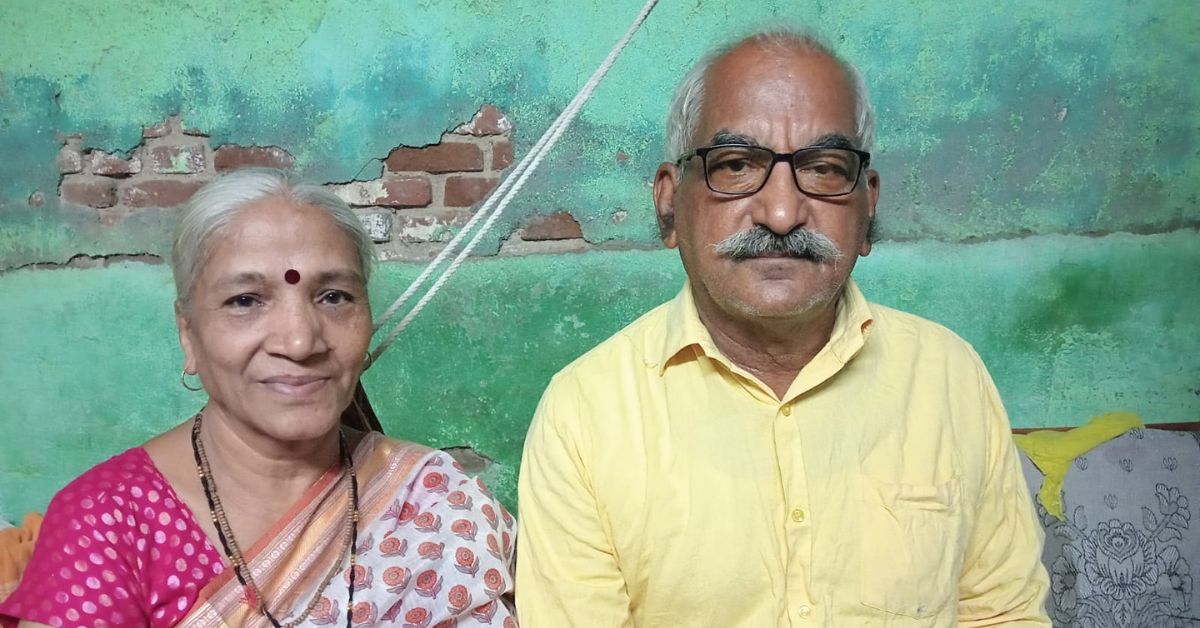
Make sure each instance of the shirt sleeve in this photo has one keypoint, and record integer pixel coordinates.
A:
(567, 574)
(1003, 581)
(77, 574)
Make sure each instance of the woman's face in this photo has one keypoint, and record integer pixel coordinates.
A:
(278, 323)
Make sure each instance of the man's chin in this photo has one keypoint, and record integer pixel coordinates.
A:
(780, 302)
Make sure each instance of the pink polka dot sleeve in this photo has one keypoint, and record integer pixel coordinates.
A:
(117, 548)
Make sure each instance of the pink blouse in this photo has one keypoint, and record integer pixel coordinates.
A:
(117, 548)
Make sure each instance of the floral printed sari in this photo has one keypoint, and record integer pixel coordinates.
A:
(435, 549)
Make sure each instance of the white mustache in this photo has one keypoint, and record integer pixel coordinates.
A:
(799, 242)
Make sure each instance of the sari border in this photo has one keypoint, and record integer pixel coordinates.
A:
(385, 468)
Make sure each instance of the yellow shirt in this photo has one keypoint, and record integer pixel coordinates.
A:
(662, 485)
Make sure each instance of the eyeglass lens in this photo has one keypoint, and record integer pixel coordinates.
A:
(744, 169)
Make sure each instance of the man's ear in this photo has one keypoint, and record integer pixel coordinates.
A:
(864, 247)
(666, 181)
(185, 339)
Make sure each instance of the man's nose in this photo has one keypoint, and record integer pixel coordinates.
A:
(296, 330)
(780, 205)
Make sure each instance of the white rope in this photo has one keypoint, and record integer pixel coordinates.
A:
(500, 198)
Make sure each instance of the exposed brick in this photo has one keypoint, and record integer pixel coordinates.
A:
(164, 193)
(406, 192)
(466, 191)
(389, 192)
(378, 224)
(428, 226)
(96, 193)
(113, 166)
(358, 193)
(438, 158)
(487, 121)
(559, 226)
(232, 157)
(69, 159)
(162, 129)
(502, 155)
(180, 159)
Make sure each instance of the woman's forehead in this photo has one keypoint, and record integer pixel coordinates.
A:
(282, 235)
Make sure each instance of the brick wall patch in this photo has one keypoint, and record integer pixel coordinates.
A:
(437, 158)
(487, 121)
(231, 157)
(556, 226)
(423, 196)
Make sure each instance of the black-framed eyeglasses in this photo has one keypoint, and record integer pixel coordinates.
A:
(817, 171)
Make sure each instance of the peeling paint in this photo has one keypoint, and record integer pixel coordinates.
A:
(1014, 140)
(1048, 117)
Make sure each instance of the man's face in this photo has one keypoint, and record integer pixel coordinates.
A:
(781, 100)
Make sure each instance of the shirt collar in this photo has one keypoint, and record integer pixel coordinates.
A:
(684, 328)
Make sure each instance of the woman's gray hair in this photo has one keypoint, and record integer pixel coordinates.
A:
(210, 210)
(684, 115)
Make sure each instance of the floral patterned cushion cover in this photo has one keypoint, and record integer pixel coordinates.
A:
(1127, 553)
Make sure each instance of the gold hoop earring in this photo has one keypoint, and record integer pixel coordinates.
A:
(183, 381)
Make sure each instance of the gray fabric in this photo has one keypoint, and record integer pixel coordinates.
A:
(1127, 553)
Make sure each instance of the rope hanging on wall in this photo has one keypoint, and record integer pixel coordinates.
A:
(496, 203)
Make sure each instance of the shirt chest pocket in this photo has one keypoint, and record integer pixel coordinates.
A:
(909, 546)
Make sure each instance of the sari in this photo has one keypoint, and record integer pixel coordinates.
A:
(435, 549)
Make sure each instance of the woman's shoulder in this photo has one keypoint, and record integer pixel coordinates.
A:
(422, 458)
(129, 476)
(378, 443)
(431, 472)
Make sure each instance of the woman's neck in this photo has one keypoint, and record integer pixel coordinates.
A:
(257, 479)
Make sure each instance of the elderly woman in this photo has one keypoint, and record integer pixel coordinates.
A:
(264, 509)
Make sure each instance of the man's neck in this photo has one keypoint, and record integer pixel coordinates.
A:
(773, 350)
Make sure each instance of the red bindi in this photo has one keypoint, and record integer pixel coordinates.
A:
(292, 276)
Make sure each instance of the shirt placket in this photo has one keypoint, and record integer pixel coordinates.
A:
(797, 523)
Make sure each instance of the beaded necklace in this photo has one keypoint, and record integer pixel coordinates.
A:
(240, 568)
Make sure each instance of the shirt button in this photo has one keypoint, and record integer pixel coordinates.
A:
(798, 517)
(803, 612)
(786, 410)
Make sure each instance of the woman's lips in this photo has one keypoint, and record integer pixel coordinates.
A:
(295, 385)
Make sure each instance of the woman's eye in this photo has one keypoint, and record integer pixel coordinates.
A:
(336, 297)
(243, 301)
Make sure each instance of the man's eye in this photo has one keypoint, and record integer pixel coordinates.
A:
(823, 169)
(734, 165)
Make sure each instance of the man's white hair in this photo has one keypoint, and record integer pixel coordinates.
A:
(684, 115)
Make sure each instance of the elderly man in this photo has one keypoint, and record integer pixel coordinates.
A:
(768, 448)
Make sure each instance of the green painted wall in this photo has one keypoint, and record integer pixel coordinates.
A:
(1071, 326)
(1040, 163)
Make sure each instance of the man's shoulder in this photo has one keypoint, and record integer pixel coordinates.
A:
(900, 328)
